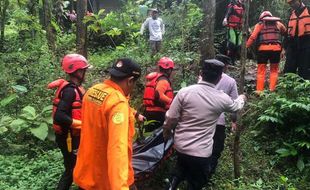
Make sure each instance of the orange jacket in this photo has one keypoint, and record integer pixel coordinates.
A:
(165, 93)
(265, 47)
(300, 23)
(60, 84)
(105, 152)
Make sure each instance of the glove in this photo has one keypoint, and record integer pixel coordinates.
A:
(224, 22)
(141, 118)
(233, 126)
(76, 124)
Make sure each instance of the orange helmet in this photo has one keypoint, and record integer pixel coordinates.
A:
(73, 62)
(166, 63)
(265, 14)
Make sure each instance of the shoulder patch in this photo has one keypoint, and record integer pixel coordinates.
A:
(97, 95)
(118, 118)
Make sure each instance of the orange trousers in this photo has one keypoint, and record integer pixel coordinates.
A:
(261, 74)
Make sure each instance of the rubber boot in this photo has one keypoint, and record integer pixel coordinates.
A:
(260, 77)
(274, 72)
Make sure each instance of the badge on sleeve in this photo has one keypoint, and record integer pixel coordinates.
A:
(118, 118)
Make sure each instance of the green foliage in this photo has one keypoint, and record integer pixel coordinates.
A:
(183, 35)
(114, 28)
(285, 184)
(19, 172)
(284, 115)
(4, 123)
(8, 100)
(30, 122)
(278, 8)
(27, 65)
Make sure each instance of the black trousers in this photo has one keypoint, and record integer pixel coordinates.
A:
(298, 61)
(69, 159)
(158, 116)
(195, 170)
(218, 146)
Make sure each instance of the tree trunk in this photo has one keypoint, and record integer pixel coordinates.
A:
(71, 5)
(3, 7)
(236, 153)
(81, 30)
(50, 33)
(207, 34)
(32, 7)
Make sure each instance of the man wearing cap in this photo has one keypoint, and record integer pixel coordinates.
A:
(227, 85)
(297, 45)
(105, 153)
(156, 29)
(193, 115)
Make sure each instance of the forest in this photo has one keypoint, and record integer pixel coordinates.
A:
(270, 148)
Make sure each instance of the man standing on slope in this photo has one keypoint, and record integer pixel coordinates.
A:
(67, 113)
(233, 22)
(268, 34)
(156, 29)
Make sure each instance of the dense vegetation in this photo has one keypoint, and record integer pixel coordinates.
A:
(275, 143)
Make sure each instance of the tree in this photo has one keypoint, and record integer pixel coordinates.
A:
(207, 37)
(58, 12)
(81, 30)
(4, 4)
(50, 33)
(236, 153)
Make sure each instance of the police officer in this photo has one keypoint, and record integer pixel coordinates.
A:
(193, 115)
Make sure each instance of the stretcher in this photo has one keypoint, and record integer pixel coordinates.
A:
(149, 153)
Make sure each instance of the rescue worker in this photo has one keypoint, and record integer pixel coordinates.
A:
(228, 85)
(105, 153)
(156, 30)
(233, 22)
(67, 113)
(193, 115)
(268, 35)
(298, 40)
(158, 94)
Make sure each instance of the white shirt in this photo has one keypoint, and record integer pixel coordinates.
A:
(195, 111)
(228, 85)
(156, 28)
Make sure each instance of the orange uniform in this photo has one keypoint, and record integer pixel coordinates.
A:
(299, 25)
(265, 47)
(269, 49)
(298, 43)
(104, 156)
